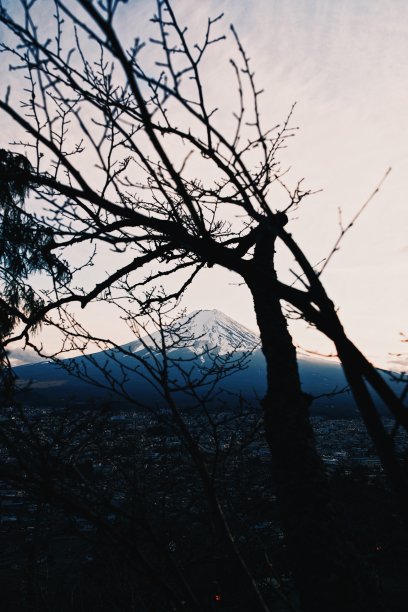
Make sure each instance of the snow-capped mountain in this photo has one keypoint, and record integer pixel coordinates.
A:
(213, 329)
(201, 331)
(196, 335)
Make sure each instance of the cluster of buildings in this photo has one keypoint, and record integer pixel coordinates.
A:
(118, 464)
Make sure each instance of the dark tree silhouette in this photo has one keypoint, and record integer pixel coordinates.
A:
(93, 103)
(53, 461)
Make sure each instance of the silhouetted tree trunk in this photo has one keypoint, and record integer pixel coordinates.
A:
(327, 571)
(358, 372)
(351, 364)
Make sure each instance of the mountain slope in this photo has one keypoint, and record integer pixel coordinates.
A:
(205, 333)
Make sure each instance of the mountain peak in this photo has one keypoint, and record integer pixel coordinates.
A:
(215, 330)
(207, 330)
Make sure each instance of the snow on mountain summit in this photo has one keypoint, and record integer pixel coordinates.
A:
(208, 329)
(215, 330)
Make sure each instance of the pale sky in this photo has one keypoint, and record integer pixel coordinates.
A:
(345, 64)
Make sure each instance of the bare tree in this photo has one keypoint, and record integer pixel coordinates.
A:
(87, 95)
(50, 461)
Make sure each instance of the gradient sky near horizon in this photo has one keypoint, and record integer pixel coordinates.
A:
(345, 64)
